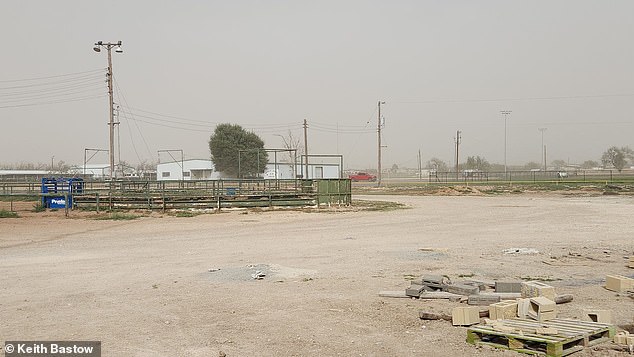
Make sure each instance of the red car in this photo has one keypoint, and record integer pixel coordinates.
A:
(362, 176)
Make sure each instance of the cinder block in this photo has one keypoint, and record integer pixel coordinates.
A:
(522, 308)
(542, 309)
(619, 283)
(629, 340)
(462, 289)
(601, 316)
(414, 290)
(503, 310)
(621, 338)
(483, 300)
(432, 282)
(531, 289)
(508, 286)
(631, 265)
(465, 316)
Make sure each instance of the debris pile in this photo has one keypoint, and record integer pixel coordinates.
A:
(519, 315)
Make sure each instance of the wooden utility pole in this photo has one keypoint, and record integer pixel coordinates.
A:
(109, 46)
(378, 130)
(306, 147)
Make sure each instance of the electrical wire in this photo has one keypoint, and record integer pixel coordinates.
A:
(49, 77)
(514, 99)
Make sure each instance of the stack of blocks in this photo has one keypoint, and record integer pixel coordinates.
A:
(531, 289)
(542, 309)
(619, 283)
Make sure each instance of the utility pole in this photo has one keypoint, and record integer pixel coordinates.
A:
(306, 147)
(506, 114)
(458, 138)
(109, 46)
(542, 130)
(420, 167)
(378, 130)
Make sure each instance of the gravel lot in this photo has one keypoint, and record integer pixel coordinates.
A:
(183, 286)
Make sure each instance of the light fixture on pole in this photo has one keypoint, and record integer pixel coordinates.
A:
(506, 114)
(109, 46)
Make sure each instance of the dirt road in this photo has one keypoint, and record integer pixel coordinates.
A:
(172, 286)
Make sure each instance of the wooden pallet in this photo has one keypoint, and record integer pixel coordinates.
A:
(572, 336)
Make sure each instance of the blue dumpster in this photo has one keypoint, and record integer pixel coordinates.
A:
(60, 191)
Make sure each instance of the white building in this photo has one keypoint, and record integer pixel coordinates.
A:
(194, 169)
(205, 170)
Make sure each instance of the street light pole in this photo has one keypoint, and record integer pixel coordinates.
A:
(542, 130)
(506, 114)
(109, 46)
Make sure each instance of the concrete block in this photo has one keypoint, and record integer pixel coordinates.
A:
(542, 309)
(621, 338)
(414, 290)
(462, 289)
(433, 282)
(600, 316)
(483, 300)
(508, 286)
(503, 310)
(629, 340)
(522, 308)
(465, 316)
(619, 283)
(631, 265)
(531, 289)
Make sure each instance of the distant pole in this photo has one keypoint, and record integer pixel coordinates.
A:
(542, 130)
(378, 130)
(306, 148)
(109, 46)
(457, 154)
(420, 167)
(506, 114)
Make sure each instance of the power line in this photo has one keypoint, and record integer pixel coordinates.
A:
(515, 99)
(49, 77)
(52, 102)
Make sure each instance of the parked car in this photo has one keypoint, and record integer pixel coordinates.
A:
(362, 176)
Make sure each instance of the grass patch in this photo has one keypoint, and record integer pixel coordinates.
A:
(8, 214)
(377, 205)
(37, 208)
(184, 214)
(118, 216)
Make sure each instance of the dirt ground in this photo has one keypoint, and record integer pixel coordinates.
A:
(183, 286)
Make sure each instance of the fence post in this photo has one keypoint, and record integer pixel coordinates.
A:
(97, 201)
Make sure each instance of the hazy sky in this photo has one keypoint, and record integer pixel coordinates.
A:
(440, 66)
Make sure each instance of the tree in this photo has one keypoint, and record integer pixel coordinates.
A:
(477, 163)
(394, 168)
(437, 164)
(617, 157)
(558, 164)
(532, 165)
(291, 143)
(235, 151)
(589, 164)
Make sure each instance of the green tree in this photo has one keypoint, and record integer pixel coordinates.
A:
(477, 163)
(617, 157)
(235, 151)
(558, 164)
(532, 165)
(437, 164)
(589, 164)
